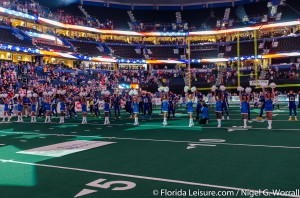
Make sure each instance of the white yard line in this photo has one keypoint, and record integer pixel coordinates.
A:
(139, 177)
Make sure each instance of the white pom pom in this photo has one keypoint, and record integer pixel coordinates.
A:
(135, 92)
(248, 90)
(29, 95)
(263, 85)
(213, 88)
(239, 88)
(107, 93)
(22, 95)
(35, 95)
(131, 92)
(58, 92)
(272, 85)
(222, 88)
(63, 92)
(80, 94)
(160, 89)
(1, 95)
(45, 93)
(16, 95)
(193, 89)
(166, 89)
(186, 89)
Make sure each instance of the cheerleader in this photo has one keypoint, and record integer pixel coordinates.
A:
(245, 100)
(84, 110)
(165, 109)
(6, 110)
(136, 110)
(269, 98)
(62, 110)
(219, 109)
(190, 109)
(20, 109)
(48, 109)
(33, 110)
(106, 110)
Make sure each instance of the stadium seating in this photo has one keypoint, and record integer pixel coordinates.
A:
(8, 37)
(87, 48)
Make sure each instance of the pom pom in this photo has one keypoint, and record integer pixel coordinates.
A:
(166, 89)
(272, 85)
(80, 94)
(45, 93)
(160, 89)
(35, 95)
(248, 90)
(5, 95)
(16, 95)
(58, 92)
(22, 95)
(222, 88)
(135, 92)
(186, 89)
(1, 95)
(193, 89)
(131, 92)
(29, 95)
(63, 92)
(240, 89)
(213, 88)
(263, 85)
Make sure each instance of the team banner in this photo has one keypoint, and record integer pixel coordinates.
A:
(258, 82)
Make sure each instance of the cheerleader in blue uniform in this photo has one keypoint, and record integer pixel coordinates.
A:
(269, 98)
(33, 110)
(136, 110)
(20, 109)
(84, 110)
(48, 109)
(6, 109)
(165, 108)
(106, 110)
(245, 99)
(62, 109)
(219, 108)
(190, 109)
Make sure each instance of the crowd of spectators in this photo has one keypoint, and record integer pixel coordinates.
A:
(34, 8)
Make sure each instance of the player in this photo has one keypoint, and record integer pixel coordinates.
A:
(292, 104)
(262, 106)
(171, 105)
(199, 105)
(225, 104)
(204, 114)
(146, 105)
